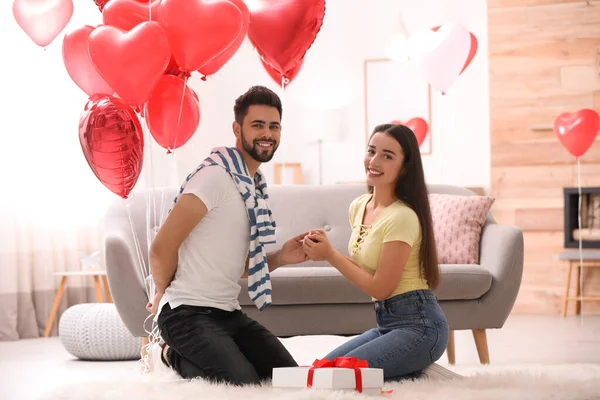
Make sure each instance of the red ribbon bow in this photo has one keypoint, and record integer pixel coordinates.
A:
(340, 362)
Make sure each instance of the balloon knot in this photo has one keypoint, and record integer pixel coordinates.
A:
(204, 78)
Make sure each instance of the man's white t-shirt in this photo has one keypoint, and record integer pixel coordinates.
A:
(213, 257)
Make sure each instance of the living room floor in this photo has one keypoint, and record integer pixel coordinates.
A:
(29, 368)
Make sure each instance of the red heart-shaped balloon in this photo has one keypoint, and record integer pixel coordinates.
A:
(419, 127)
(172, 112)
(217, 62)
(101, 4)
(278, 78)
(282, 31)
(42, 20)
(112, 142)
(127, 14)
(199, 30)
(472, 50)
(174, 69)
(79, 66)
(130, 62)
(577, 131)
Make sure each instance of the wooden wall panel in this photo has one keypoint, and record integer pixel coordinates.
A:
(539, 219)
(544, 60)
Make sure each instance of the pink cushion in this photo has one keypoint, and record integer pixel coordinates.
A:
(457, 223)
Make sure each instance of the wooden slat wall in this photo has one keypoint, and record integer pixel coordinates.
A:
(544, 60)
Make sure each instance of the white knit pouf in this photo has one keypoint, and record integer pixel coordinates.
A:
(94, 331)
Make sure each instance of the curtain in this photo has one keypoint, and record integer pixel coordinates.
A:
(51, 204)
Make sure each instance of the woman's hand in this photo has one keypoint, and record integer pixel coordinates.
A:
(317, 247)
(152, 306)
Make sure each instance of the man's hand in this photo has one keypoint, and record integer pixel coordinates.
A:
(292, 252)
(152, 306)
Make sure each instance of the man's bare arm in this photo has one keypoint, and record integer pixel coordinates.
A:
(164, 251)
(272, 260)
(290, 253)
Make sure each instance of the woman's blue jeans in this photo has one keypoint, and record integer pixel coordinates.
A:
(411, 334)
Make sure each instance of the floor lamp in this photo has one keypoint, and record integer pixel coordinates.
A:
(323, 126)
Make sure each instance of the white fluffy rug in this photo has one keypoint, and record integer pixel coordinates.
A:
(572, 382)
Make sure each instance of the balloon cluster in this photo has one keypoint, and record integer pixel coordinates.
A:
(138, 62)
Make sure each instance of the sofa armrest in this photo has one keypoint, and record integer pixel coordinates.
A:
(126, 282)
(502, 253)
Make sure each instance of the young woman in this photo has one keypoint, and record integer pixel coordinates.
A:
(393, 258)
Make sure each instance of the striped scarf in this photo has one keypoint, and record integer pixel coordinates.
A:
(262, 226)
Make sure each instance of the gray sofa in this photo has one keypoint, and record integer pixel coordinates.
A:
(314, 298)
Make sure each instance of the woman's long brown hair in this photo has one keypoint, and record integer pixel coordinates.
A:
(412, 190)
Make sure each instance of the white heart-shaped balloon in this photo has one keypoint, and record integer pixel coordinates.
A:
(43, 20)
(441, 55)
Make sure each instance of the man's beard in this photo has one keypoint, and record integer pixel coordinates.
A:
(256, 152)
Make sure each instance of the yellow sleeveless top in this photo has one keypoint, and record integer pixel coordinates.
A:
(397, 222)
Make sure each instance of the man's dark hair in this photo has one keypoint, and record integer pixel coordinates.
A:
(256, 95)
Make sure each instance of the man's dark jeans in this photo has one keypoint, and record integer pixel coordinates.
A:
(220, 346)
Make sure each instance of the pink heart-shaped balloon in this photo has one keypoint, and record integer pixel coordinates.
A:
(217, 62)
(76, 56)
(112, 142)
(282, 31)
(441, 55)
(472, 49)
(130, 62)
(127, 14)
(577, 131)
(418, 126)
(199, 30)
(43, 20)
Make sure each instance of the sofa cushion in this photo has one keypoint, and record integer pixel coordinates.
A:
(463, 282)
(457, 224)
(326, 285)
(309, 285)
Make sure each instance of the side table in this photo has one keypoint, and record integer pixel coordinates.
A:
(95, 273)
(591, 259)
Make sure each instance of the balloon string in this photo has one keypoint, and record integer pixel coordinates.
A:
(150, 10)
(580, 283)
(151, 212)
(284, 81)
(144, 269)
(180, 110)
(452, 126)
(173, 160)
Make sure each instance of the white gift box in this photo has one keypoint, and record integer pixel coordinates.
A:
(329, 378)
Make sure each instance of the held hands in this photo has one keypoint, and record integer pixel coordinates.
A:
(292, 252)
(317, 247)
(313, 245)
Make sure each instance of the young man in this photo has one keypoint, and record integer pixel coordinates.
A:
(214, 235)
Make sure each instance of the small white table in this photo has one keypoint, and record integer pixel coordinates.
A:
(97, 274)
